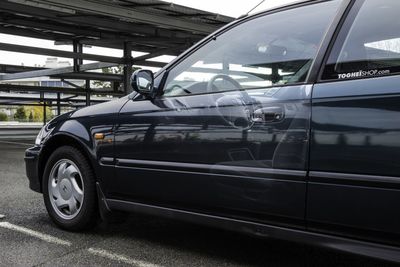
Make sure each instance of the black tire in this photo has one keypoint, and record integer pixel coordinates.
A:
(88, 213)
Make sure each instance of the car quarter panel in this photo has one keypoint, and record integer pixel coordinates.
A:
(78, 128)
(354, 168)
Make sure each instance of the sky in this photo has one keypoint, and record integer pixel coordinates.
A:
(225, 7)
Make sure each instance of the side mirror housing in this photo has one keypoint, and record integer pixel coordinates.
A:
(142, 81)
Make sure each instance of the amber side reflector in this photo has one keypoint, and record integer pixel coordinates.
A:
(99, 136)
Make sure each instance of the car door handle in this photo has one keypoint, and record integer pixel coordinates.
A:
(268, 114)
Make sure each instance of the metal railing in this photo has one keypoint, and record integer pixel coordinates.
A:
(19, 131)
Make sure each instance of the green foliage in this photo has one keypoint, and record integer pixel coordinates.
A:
(30, 116)
(36, 114)
(112, 70)
(3, 116)
(20, 114)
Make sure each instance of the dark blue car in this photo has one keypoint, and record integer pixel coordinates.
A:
(284, 124)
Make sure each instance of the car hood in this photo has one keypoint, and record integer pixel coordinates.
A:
(110, 107)
(106, 108)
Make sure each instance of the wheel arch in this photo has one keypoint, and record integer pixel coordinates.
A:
(60, 140)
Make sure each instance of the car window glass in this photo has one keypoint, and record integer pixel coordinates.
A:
(370, 46)
(275, 49)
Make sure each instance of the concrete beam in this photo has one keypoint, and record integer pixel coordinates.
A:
(55, 71)
(106, 9)
(95, 22)
(58, 53)
(161, 52)
(63, 90)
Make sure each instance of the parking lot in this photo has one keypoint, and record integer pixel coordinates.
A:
(28, 237)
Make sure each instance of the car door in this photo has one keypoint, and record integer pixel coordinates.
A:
(229, 132)
(354, 159)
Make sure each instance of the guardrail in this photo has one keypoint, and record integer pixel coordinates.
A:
(19, 131)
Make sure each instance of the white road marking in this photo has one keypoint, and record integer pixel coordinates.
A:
(16, 143)
(41, 236)
(121, 258)
(2, 216)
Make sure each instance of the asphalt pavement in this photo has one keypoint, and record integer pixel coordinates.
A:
(29, 238)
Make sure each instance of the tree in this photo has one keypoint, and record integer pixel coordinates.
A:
(20, 114)
(3, 116)
(30, 116)
(111, 70)
(37, 113)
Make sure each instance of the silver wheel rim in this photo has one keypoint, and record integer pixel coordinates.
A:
(66, 189)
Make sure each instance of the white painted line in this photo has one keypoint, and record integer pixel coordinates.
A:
(2, 216)
(121, 258)
(16, 143)
(44, 237)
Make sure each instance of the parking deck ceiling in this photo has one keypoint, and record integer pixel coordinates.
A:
(148, 25)
(151, 26)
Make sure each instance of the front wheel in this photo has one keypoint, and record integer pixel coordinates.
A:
(69, 190)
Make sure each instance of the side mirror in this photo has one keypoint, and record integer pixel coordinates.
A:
(142, 81)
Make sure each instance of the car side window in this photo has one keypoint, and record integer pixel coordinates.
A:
(270, 50)
(368, 44)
